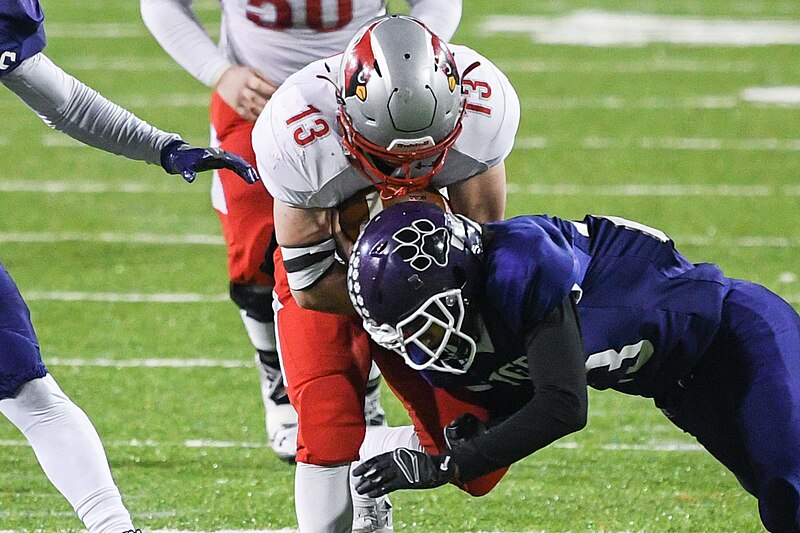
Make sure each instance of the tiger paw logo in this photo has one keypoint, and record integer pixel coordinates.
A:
(422, 245)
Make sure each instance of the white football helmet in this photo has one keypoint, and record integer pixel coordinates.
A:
(401, 104)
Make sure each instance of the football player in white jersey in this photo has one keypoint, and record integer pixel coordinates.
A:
(400, 114)
(262, 42)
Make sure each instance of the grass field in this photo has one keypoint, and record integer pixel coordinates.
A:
(124, 269)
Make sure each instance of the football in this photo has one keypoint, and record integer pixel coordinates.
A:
(365, 204)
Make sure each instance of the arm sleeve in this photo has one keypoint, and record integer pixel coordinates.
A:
(440, 16)
(559, 403)
(181, 34)
(69, 106)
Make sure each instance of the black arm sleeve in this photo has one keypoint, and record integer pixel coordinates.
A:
(558, 407)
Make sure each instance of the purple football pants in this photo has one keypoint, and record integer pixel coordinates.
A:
(742, 402)
(20, 361)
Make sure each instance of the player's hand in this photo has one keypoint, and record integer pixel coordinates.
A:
(178, 157)
(403, 469)
(246, 90)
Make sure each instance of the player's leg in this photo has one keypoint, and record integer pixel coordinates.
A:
(432, 409)
(62, 437)
(765, 331)
(326, 362)
(326, 509)
(373, 410)
(742, 402)
(375, 514)
(70, 453)
(245, 212)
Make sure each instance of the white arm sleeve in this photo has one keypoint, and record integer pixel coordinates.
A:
(181, 34)
(66, 104)
(441, 16)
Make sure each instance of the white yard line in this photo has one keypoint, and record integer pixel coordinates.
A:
(743, 241)
(110, 237)
(680, 144)
(783, 97)
(133, 297)
(191, 100)
(787, 96)
(785, 101)
(623, 103)
(96, 30)
(80, 186)
(606, 29)
(105, 362)
(106, 30)
(653, 446)
(635, 67)
(129, 63)
(94, 62)
(645, 189)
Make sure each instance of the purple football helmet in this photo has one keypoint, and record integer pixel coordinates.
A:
(412, 275)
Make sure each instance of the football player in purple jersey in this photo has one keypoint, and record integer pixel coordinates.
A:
(63, 438)
(526, 312)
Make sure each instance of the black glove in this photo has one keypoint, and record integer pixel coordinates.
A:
(465, 427)
(403, 469)
(177, 157)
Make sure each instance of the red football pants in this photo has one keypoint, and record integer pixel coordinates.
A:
(246, 216)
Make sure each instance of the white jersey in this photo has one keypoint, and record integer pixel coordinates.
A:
(277, 37)
(298, 147)
(307, 30)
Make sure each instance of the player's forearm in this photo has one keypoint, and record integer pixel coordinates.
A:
(558, 406)
(309, 252)
(66, 104)
(181, 34)
(530, 429)
(481, 197)
(441, 16)
(328, 294)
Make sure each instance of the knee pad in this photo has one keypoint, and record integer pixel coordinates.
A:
(255, 300)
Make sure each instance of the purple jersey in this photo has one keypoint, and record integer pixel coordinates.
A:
(647, 314)
(21, 32)
(20, 360)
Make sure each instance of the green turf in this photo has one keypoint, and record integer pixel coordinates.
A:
(588, 114)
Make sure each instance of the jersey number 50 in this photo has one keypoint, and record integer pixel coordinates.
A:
(277, 15)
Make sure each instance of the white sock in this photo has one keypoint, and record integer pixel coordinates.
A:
(322, 499)
(380, 439)
(374, 372)
(261, 334)
(70, 453)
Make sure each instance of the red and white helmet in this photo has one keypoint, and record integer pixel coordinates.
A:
(401, 104)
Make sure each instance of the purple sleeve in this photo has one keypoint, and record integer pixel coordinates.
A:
(21, 32)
